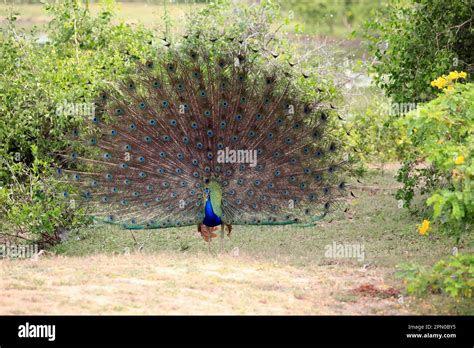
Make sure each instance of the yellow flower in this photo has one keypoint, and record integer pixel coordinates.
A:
(453, 75)
(440, 82)
(459, 160)
(447, 81)
(424, 227)
(440, 141)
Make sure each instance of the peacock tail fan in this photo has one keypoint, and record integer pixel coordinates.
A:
(232, 121)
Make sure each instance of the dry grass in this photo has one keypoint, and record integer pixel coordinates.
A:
(183, 284)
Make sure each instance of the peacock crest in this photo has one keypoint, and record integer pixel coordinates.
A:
(192, 128)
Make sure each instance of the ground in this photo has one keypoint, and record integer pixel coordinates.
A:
(183, 284)
(263, 270)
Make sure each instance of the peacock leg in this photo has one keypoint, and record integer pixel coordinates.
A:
(205, 234)
(229, 229)
(222, 237)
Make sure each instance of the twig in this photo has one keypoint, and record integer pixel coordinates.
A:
(459, 26)
(15, 236)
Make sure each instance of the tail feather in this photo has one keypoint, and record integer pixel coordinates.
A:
(160, 136)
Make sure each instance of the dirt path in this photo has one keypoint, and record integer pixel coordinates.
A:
(184, 284)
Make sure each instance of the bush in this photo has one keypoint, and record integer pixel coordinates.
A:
(83, 54)
(416, 42)
(438, 146)
(32, 208)
(373, 132)
(454, 276)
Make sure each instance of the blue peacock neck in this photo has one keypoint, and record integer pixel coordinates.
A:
(210, 218)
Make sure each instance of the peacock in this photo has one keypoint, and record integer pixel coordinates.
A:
(210, 137)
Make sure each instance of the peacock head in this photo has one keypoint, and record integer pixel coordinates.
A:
(212, 191)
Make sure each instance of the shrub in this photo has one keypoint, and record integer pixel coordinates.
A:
(373, 132)
(83, 54)
(439, 136)
(454, 276)
(32, 208)
(416, 41)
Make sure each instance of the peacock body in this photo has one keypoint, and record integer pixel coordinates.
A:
(209, 138)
